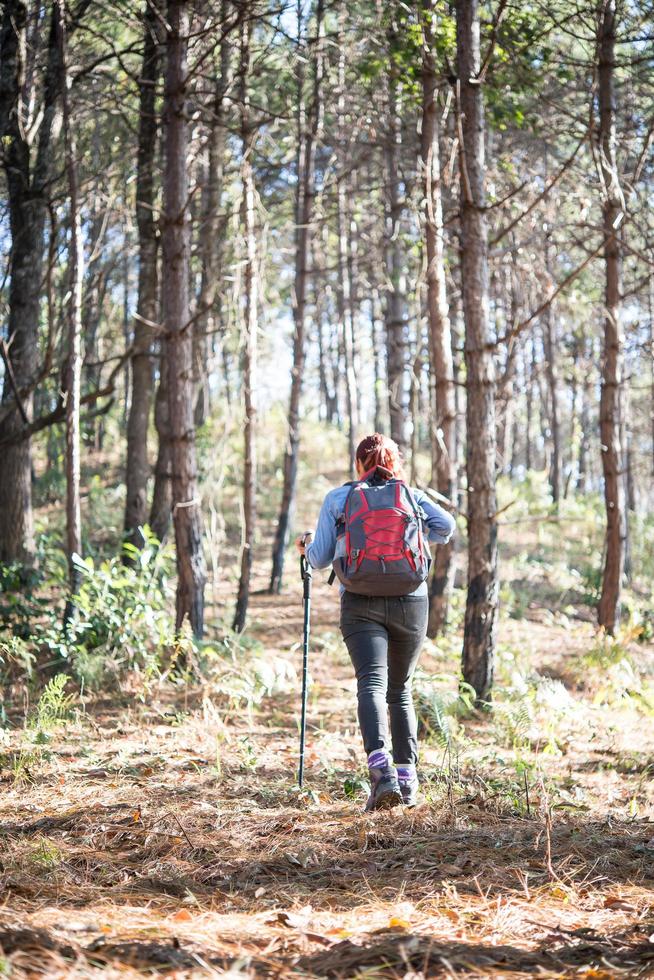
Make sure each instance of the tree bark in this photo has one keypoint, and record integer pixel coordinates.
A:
(250, 325)
(343, 285)
(162, 493)
(394, 309)
(529, 386)
(212, 228)
(73, 371)
(376, 317)
(28, 189)
(187, 521)
(481, 603)
(608, 611)
(650, 299)
(550, 348)
(147, 308)
(308, 127)
(443, 408)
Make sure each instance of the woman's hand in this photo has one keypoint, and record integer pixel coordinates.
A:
(303, 540)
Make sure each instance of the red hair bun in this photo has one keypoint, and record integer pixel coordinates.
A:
(378, 450)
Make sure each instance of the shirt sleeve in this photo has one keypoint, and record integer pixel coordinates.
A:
(440, 523)
(320, 553)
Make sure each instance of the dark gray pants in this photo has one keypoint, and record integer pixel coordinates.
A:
(384, 637)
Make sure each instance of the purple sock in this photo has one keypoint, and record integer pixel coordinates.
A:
(378, 759)
(406, 773)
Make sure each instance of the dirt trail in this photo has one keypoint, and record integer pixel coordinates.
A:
(167, 836)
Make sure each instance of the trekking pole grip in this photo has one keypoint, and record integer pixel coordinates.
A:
(306, 571)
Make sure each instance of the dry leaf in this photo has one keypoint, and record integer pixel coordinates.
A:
(396, 923)
(293, 920)
(315, 937)
(613, 902)
(450, 913)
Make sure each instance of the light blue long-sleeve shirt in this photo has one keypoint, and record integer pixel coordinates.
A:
(322, 550)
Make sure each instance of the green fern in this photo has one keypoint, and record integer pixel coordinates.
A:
(53, 705)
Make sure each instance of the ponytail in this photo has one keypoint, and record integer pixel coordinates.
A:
(378, 451)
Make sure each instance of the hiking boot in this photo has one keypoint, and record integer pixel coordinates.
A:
(384, 789)
(409, 785)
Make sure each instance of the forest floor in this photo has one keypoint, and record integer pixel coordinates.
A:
(169, 836)
(162, 832)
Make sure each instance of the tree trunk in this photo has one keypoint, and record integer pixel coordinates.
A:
(583, 478)
(394, 310)
(212, 229)
(529, 395)
(250, 325)
(93, 297)
(28, 190)
(376, 316)
(481, 604)
(162, 492)
(308, 126)
(138, 467)
(608, 612)
(443, 408)
(650, 296)
(74, 342)
(343, 286)
(550, 347)
(187, 520)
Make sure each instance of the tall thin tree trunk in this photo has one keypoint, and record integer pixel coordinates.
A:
(529, 396)
(187, 519)
(308, 126)
(443, 408)
(583, 477)
(481, 603)
(629, 486)
(162, 492)
(550, 347)
(250, 325)
(212, 229)
(138, 467)
(28, 190)
(394, 310)
(74, 340)
(608, 611)
(351, 232)
(376, 317)
(327, 376)
(343, 286)
(650, 297)
(93, 297)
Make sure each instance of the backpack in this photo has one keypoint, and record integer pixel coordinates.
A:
(381, 549)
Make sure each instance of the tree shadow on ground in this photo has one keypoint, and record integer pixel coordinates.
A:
(393, 956)
(326, 856)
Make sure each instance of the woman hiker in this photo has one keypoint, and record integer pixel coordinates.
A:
(372, 532)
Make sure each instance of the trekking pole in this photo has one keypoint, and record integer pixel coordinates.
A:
(306, 572)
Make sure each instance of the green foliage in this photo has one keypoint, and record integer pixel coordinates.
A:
(354, 786)
(242, 673)
(123, 620)
(53, 707)
(438, 708)
(45, 854)
(16, 659)
(609, 667)
(19, 600)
